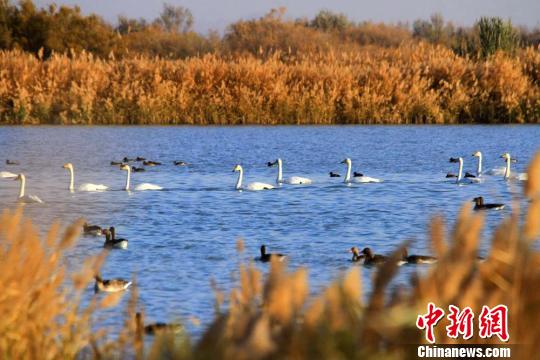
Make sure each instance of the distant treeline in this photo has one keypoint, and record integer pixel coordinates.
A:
(58, 66)
(64, 29)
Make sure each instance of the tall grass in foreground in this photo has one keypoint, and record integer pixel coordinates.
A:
(414, 83)
(274, 317)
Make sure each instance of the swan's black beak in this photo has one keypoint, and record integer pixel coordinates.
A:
(344, 161)
(453, 160)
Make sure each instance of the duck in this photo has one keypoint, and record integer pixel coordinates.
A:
(254, 186)
(266, 257)
(139, 159)
(11, 162)
(117, 163)
(93, 230)
(159, 327)
(479, 205)
(151, 163)
(358, 179)
(333, 174)
(138, 169)
(111, 242)
(507, 174)
(112, 285)
(126, 160)
(140, 187)
(180, 163)
(373, 259)
(356, 257)
(22, 198)
(83, 187)
(416, 259)
(357, 174)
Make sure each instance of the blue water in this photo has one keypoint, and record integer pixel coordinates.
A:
(184, 236)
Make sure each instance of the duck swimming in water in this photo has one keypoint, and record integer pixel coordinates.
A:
(356, 257)
(479, 205)
(153, 329)
(333, 174)
(373, 259)
(416, 259)
(138, 169)
(113, 285)
(111, 242)
(115, 163)
(180, 163)
(151, 163)
(357, 174)
(140, 158)
(93, 230)
(10, 162)
(266, 257)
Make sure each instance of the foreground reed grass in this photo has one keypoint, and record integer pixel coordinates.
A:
(414, 83)
(274, 317)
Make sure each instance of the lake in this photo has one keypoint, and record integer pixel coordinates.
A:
(183, 236)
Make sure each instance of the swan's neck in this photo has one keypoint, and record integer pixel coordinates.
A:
(72, 179)
(21, 188)
(348, 176)
(128, 178)
(479, 168)
(460, 172)
(279, 173)
(507, 170)
(239, 181)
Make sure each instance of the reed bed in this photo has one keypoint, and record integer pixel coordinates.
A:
(274, 316)
(411, 84)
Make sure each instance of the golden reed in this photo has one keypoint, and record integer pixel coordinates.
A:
(411, 84)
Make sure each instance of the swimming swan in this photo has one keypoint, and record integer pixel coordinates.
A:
(22, 198)
(460, 178)
(7, 174)
(293, 180)
(499, 171)
(254, 186)
(507, 174)
(140, 187)
(83, 187)
(358, 179)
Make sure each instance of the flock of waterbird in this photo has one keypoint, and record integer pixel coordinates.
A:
(366, 256)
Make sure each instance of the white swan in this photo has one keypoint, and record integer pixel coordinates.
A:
(254, 186)
(507, 174)
(293, 180)
(7, 174)
(498, 171)
(460, 178)
(22, 198)
(140, 187)
(83, 187)
(358, 179)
